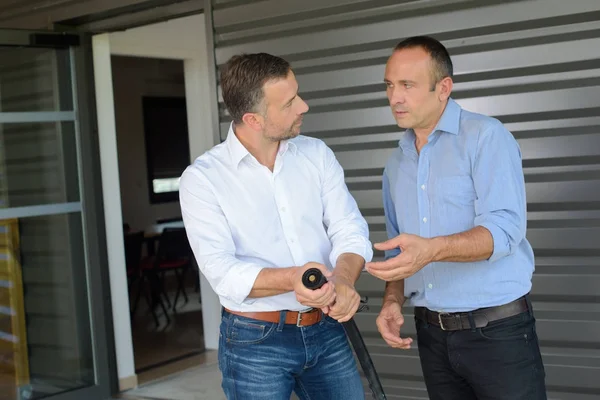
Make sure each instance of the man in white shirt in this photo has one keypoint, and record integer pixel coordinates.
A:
(259, 210)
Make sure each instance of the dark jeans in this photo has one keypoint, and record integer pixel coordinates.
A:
(501, 361)
(267, 361)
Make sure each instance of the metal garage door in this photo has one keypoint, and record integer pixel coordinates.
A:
(534, 65)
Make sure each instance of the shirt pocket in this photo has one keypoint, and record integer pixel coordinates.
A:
(456, 204)
(457, 190)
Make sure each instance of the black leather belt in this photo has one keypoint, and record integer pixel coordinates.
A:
(481, 317)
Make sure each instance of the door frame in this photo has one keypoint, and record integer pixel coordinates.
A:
(139, 42)
(90, 192)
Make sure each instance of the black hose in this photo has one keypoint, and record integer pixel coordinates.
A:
(313, 279)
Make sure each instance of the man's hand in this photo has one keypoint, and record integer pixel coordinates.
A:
(347, 299)
(389, 322)
(415, 253)
(321, 298)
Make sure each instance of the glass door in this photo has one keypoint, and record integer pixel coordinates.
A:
(53, 339)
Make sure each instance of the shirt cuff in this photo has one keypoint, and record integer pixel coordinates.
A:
(500, 239)
(238, 288)
(363, 250)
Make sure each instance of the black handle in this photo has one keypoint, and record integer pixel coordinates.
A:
(313, 278)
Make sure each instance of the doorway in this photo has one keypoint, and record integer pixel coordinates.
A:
(153, 148)
(181, 41)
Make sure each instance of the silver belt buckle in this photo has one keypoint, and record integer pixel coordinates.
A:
(440, 320)
(299, 317)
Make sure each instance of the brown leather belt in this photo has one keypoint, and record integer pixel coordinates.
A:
(481, 317)
(298, 318)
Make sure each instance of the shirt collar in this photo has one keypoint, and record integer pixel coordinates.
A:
(238, 151)
(449, 122)
(286, 145)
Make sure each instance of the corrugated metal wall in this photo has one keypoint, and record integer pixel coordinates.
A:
(534, 65)
(92, 15)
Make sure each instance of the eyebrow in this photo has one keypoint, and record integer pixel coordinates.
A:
(400, 81)
(290, 100)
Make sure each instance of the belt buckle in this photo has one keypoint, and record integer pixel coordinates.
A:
(440, 320)
(299, 317)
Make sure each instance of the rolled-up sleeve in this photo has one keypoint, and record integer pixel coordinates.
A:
(211, 240)
(346, 227)
(501, 205)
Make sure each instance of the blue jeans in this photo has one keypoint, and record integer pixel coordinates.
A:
(267, 361)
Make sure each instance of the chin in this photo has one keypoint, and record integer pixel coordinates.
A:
(288, 136)
(294, 133)
(403, 124)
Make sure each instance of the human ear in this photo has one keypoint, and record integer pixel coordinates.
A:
(445, 85)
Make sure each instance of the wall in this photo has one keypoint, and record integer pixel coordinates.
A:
(133, 78)
(92, 15)
(533, 65)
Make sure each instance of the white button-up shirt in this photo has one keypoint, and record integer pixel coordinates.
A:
(240, 217)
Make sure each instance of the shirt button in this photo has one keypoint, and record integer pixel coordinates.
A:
(425, 219)
(292, 241)
(430, 286)
(283, 209)
(423, 187)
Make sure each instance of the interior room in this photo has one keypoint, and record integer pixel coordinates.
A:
(153, 151)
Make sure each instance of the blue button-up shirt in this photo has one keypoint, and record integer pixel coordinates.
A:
(468, 174)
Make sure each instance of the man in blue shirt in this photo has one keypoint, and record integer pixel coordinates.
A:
(456, 215)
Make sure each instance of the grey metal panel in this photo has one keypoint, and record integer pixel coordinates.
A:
(383, 31)
(531, 64)
(93, 15)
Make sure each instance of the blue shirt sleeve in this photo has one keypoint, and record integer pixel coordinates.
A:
(501, 205)
(391, 224)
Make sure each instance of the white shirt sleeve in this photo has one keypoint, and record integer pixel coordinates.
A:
(211, 240)
(346, 227)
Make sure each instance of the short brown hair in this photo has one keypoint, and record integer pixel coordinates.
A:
(242, 80)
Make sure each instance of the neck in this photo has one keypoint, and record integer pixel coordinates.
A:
(264, 150)
(422, 133)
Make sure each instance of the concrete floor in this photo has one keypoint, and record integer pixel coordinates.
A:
(171, 361)
(202, 382)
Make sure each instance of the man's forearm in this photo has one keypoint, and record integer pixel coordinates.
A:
(473, 245)
(273, 281)
(394, 291)
(349, 267)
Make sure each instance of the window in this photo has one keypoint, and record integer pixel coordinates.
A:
(167, 146)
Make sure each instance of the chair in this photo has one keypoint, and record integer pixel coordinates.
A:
(173, 254)
(134, 243)
(135, 273)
